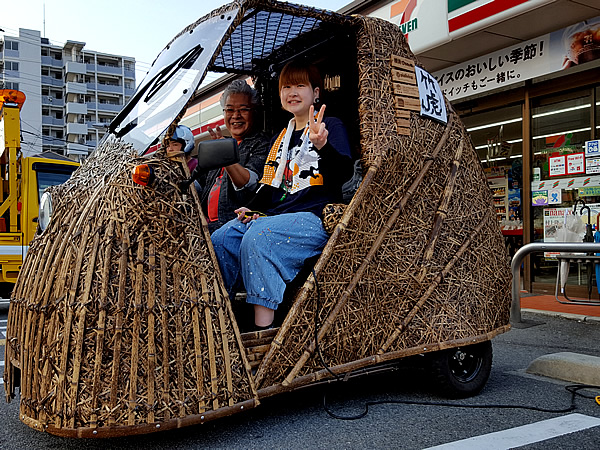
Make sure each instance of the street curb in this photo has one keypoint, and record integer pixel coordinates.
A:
(567, 366)
(570, 316)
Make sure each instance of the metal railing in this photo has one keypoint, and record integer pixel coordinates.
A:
(538, 247)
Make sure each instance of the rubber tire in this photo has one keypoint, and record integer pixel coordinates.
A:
(462, 371)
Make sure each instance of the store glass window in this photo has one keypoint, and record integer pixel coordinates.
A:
(564, 180)
(497, 136)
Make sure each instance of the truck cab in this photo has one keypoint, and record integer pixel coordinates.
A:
(24, 180)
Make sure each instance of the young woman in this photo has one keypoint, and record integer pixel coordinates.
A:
(266, 245)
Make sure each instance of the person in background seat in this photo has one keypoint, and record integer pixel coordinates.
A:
(224, 190)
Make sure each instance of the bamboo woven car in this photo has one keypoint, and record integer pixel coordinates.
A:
(119, 323)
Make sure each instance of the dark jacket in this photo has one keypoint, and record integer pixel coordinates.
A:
(253, 152)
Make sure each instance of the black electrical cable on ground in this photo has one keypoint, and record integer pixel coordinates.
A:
(573, 388)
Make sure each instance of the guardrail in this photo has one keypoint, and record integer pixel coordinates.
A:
(515, 266)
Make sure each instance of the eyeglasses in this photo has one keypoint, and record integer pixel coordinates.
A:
(242, 111)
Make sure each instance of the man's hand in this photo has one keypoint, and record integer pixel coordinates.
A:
(317, 131)
(216, 133)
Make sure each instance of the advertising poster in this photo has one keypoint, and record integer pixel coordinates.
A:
(557, 166)
(514, 204)
(592, 165)
(539, 198)
(592, 148)
(554, 196)
(555, 220)
(543, 55)
(575, 163)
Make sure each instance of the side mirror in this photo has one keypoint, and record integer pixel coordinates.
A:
(217, 153)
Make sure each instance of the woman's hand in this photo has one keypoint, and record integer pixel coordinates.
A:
(317, 131)
(242, 217)
(216, 133)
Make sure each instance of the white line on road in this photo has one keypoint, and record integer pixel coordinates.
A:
(526, 434)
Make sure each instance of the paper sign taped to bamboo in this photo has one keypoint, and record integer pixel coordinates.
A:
(430, 94)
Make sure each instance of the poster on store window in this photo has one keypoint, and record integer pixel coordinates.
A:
(592, 148)
(575, 163)
(557, 166)
(554, 196)
(555, 219)
(539, 198)
(592, 165)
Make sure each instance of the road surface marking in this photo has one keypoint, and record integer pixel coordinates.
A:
(526, 434)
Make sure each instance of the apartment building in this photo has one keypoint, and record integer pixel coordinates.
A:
(72, 93)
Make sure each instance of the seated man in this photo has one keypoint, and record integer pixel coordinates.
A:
(226, 189)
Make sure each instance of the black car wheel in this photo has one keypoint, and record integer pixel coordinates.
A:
(463, 371)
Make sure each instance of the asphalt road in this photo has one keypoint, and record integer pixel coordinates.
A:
(298, 420)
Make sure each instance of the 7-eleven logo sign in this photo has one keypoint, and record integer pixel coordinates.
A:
(403, 8)
(401, 14)
(462, 13)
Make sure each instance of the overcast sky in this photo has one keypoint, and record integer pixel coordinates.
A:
(138, 28)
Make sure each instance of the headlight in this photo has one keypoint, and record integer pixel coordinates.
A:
(45, 210)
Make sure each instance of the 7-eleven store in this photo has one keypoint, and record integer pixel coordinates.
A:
(525, 77)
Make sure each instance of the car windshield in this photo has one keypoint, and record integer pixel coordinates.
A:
(169, 84)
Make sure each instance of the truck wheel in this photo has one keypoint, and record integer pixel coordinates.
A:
(463, 371)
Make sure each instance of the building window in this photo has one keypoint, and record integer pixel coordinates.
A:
(12, 65)
(11, 85)
(11, 45)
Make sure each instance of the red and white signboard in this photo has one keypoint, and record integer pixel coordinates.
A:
(557, 166)
(575, 163)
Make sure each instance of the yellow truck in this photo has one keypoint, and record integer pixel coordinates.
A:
(23, 180)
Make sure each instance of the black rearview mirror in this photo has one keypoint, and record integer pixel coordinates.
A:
(217, 153)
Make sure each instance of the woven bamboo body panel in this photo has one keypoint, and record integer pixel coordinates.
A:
(422, 286)
(118, 317)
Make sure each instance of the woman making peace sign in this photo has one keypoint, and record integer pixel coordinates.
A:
(308, 163)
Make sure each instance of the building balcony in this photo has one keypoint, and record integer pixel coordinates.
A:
(109, 69)
(75, 67)
(108, 107)
(129, 91)
(50, 61)
(11, 53)
(48, 120)
(76, 88)
(129, 74)
(77, 149)
(52, 141)
(48, 100)
(51, 81)
(76, 108)
(77, 128)
(109, 88)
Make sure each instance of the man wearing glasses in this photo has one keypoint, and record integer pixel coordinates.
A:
(226, 189)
